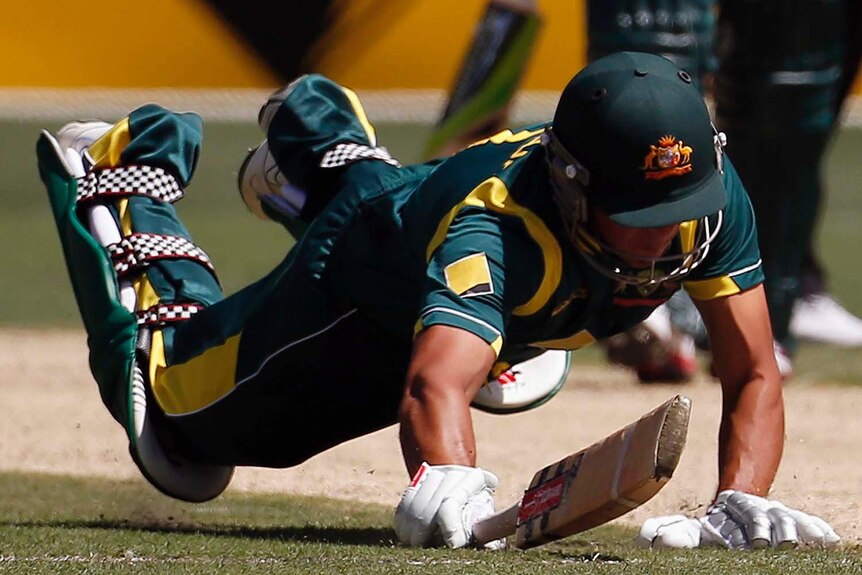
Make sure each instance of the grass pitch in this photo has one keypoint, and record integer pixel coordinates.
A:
(52, 524)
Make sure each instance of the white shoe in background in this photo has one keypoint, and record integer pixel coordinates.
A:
(784, 361)
(820, 318)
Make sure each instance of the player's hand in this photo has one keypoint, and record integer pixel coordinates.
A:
(442, 503)
(738, 520)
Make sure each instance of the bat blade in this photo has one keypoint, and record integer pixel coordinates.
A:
(490, 74)
(598, 483)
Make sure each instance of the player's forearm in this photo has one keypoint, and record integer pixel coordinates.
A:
(435, 426)
(751, 438)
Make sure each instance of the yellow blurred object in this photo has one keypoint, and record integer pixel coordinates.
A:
(104, 43)
(414, 44)
(183, 43)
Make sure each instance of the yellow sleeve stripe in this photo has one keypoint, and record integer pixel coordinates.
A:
(197, 383)
(359, 110)
(106, 150)
(711, 288)
(497, 345)
(492, 194)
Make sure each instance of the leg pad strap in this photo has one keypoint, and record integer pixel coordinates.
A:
(114, 331)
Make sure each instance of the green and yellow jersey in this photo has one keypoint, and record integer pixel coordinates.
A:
(476, 242)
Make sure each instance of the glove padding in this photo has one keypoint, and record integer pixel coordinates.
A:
(443, 502)
(738, 520)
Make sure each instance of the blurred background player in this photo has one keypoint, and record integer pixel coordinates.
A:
(663, 347)
(785, 69)
(681, 31)
(778, 87)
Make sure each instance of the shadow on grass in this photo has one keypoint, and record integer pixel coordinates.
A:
(367, 536)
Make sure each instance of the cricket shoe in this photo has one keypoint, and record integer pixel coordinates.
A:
(273, 103)
(525, 385)
(75, 139)
(264, 188)
(820, 318)
(676, 366)
(260, 181)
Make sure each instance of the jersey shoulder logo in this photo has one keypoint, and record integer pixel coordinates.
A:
(470, 276)
(671, 157)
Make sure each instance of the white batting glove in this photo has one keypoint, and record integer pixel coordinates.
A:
(443, 502)
(670, 532)
(738, 520)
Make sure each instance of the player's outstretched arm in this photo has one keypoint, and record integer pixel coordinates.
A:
(751, 442)
(448, 492)
(751, 438)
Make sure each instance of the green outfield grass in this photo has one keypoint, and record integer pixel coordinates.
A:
(61, 525)
(37, 293)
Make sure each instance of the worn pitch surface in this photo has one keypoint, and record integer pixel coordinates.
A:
(53, 421)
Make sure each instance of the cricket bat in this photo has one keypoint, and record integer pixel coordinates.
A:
(596, 484)
(490, 74)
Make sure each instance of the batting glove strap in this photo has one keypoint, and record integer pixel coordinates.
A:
(442, 503)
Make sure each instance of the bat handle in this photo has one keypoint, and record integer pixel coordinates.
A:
(497, 526)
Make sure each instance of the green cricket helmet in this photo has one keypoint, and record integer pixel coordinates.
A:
(632, 135)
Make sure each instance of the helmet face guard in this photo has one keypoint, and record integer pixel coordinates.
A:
(665, 268)
(570, 182)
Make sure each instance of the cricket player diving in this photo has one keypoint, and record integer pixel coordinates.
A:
(410, 287)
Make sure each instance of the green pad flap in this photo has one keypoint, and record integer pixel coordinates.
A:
(111, 329)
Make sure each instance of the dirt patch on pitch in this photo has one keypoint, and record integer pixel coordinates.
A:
(53, 421)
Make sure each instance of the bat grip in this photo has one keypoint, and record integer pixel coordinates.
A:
(497, 526)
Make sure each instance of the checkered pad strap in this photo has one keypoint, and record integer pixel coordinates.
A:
(136, 251)
(163, 313)
(347, 153)
(129, 181)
